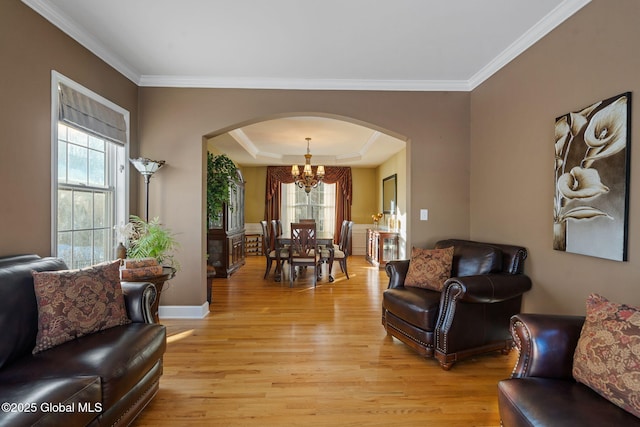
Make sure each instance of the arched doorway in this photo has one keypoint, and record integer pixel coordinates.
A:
(373, 152)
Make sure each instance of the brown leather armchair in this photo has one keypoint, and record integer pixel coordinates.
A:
(471, 315)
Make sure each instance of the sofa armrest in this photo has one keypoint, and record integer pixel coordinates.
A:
(546, 344)
(487, 288)
(138, 298)
(397, 271)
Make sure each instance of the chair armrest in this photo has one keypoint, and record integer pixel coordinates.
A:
(138, 298)
(397, 271)
(546, 344)
(487, 288)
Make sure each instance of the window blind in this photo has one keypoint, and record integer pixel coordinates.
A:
(79, 110)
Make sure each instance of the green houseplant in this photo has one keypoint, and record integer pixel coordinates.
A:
(220, 171)
(150, 240)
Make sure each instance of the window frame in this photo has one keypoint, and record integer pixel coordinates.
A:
(309, 206)
(118, 173)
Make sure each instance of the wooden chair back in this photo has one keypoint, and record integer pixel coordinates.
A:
(267, 241)
(303, 240)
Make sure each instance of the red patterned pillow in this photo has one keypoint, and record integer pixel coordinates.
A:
(73, 303)
(607, 358)
(429, 268)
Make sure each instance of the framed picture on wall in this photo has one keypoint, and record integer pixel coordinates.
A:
(389, 194)
(591, 197)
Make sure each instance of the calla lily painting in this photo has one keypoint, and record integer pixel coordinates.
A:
(590, 206)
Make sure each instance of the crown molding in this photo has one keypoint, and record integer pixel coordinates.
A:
(561, 13)
(243, 140)
(73, 30)
(303, 84)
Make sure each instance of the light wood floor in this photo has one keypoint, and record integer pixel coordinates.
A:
(270, 355)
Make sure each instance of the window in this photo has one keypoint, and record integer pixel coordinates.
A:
(90, 191)
(319, 204)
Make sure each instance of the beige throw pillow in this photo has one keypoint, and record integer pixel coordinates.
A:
(73, 303)
(607, 358)
(429, 268)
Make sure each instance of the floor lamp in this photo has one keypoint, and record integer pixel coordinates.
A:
(147, 167)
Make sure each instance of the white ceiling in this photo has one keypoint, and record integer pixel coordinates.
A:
(415, 45)
(333, 143)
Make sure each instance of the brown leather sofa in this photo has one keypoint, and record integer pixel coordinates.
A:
(104, 378)
(471, 315)
(541, 390)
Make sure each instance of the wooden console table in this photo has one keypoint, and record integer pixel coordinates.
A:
(382, 246)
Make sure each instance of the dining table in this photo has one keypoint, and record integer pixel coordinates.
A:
(322, 239)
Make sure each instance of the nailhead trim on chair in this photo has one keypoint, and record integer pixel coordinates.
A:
(444, 324)
(386, 324)
(526, 357)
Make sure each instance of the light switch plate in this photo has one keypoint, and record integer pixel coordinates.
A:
(424, 214)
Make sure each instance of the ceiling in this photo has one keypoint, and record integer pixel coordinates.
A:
(415, 45)
(282, 142)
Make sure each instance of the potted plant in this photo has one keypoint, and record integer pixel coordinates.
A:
(150, 240)
(145, 240)
(220, 171)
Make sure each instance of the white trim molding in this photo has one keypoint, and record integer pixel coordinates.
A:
(183, 311)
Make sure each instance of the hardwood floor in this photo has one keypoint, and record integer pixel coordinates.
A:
(270, 355)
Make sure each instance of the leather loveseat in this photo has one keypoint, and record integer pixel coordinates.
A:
(542, 390)
(103, 378)
(471, 314)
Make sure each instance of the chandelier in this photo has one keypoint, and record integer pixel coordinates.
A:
(308, 179)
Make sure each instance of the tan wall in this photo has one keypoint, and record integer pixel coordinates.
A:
(30, 48)
(364, 201)
(590, 57)
(174, 120)
(255, 187)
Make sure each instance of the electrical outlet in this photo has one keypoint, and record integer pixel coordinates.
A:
(424, 214)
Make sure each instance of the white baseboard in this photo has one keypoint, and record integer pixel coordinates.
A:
(183, 311)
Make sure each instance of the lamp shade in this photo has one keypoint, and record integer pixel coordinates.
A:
(147, 166)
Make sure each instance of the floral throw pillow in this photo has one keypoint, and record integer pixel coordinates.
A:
(607, 358)
(429, 268)
(73, 303)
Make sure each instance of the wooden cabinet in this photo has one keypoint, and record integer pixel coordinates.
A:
(382, 246)
(225, 238)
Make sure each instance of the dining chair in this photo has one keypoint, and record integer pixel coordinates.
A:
(307, 220)
(342, 253)
(276, 228)
(303, 251)
(268, 246)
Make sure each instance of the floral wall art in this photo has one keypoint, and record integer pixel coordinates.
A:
(591, 196)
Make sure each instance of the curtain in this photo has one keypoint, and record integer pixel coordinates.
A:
(339, 175)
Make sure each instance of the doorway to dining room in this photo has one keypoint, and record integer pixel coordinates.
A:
(370, 152)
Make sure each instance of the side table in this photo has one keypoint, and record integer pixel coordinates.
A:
(167, 274)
